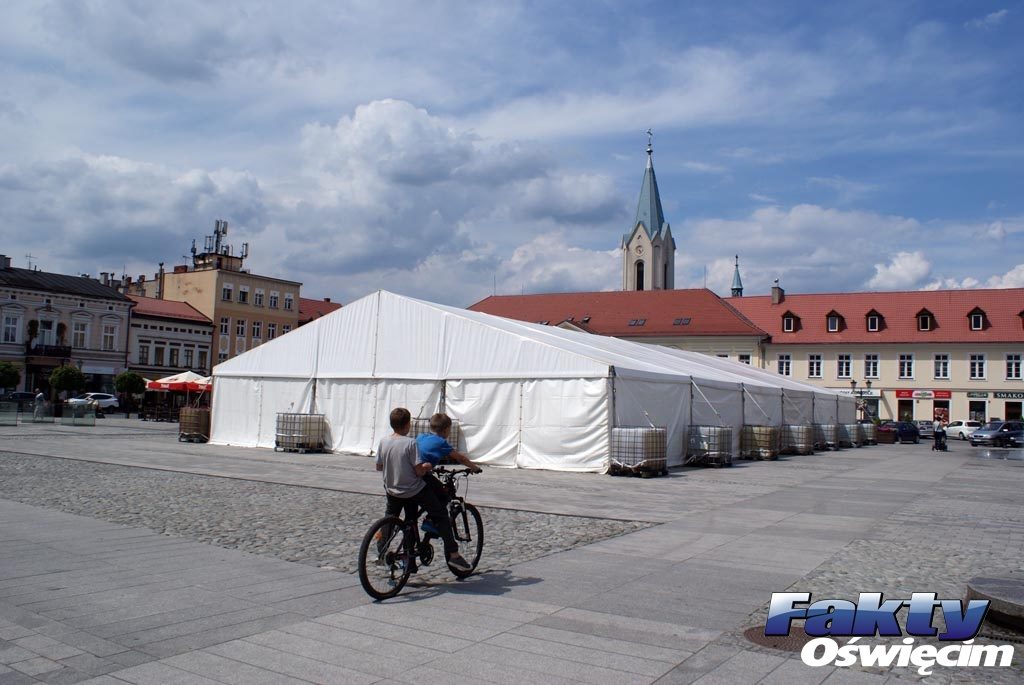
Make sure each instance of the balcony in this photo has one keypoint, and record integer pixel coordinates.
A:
(41, 352)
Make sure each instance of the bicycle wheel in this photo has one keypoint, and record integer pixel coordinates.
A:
(384, 558)
(469, 533)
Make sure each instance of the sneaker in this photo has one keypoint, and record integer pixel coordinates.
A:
(457, 563)
(429, 528)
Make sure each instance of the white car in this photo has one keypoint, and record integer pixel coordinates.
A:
(100, 399)
(962, 429)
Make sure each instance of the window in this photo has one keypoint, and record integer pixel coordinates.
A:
(288, 301)
(788, 324)
(639, 275)
(225, 325)
(744, 359)
(257, 329)
(682, 321)
(833, 323)
(271, 331)
(202, 359)
(632, 322)
(906, 366)
(239, 345)
(144, 354)
(942, 366)
(257, 298)
(977, 367)
(273, 299)
(12, 324)
(109, 337)
(45, 332)
(240, 327)
(722, 355)
(784, 361)
(79, 334)
(814, 366)
(226, 291)
(843, 365)
(243, 295)
(977, 322)
(222, 356)
(189, 355)
(1013, 367)
(158, 355)
(870, 366)
(873, 323)
(285, 328)
(924, 322)
(174, 354)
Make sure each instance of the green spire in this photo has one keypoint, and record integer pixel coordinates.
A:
(648, 211)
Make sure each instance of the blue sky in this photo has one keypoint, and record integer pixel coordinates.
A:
(446, 149)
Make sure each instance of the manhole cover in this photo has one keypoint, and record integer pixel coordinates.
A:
(787, 643)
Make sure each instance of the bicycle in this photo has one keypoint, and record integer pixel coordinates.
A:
(392, 546)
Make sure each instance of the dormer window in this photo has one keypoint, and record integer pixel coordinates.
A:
(637, 322)
(977, 318)
(874, 321)
(925, 320)
(834, 321)
(790, 322)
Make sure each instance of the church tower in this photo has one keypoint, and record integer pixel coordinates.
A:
(648, 250)
(737, 282)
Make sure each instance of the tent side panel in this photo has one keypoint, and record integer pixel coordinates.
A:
(663, 404)
(847, 409)
(489, 414)
(762, 406)
(719, 406)
(565, 425)
(348, 406)
(235, 414)
(824, 408)
(281, 395)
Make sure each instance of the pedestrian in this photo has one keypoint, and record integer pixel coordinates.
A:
(40, 401)
(939, 429)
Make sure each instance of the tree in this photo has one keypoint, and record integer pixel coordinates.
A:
(67, 378)
(129, 383)
(10, 377)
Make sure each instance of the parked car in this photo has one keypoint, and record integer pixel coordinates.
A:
(926, 429)
(24, 399)
(905, 431)
(962, 429)
(100, 399)
(998, 433)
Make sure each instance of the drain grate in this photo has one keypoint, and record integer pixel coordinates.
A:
(786, 643)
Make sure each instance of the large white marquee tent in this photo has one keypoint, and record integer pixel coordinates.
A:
(526, 395)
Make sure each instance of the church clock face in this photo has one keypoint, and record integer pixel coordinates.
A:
(639, 249)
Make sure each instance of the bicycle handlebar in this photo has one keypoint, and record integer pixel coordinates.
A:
(455, 472)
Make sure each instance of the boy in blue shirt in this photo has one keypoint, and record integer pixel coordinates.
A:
(433, 447)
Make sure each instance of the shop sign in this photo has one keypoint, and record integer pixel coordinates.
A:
(924, 394)
(975, 395)
(860, 392)
(1008, 395)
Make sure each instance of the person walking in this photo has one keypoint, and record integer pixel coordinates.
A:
(40, 402)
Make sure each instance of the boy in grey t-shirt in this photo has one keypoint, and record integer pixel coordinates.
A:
(404, 485)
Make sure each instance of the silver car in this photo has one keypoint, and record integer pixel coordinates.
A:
(962, 429)
(998, 433)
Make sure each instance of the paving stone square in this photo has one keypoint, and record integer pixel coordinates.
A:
(126, 556)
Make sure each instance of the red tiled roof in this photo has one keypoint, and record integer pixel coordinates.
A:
(950, 309)
(610, 312)
(310, 309)
(166, 309)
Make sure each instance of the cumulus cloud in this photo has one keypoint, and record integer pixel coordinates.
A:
(1014, 278)
(905, 270)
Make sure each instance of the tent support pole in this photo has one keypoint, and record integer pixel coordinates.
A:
(743, 406)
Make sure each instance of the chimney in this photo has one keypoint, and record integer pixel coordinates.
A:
(5, 262)
(327, 299)
(105, 278)
(160, 282)
(778, 294)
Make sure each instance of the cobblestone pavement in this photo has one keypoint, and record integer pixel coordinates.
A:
(934, 544)
(305, 525)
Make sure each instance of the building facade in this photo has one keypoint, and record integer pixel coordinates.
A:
(951, 353)
(246, 309)
(168, 337)
(52, 320)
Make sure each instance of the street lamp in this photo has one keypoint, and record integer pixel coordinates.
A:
(859, 394)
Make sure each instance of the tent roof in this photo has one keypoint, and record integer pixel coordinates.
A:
(385, 335)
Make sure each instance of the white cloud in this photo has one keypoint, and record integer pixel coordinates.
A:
(757, 197)
(989, 21)
(847, 191)
(905, 270)
(1014, 278)
(704, 167)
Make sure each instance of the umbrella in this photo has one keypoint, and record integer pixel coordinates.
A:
(187, 380)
